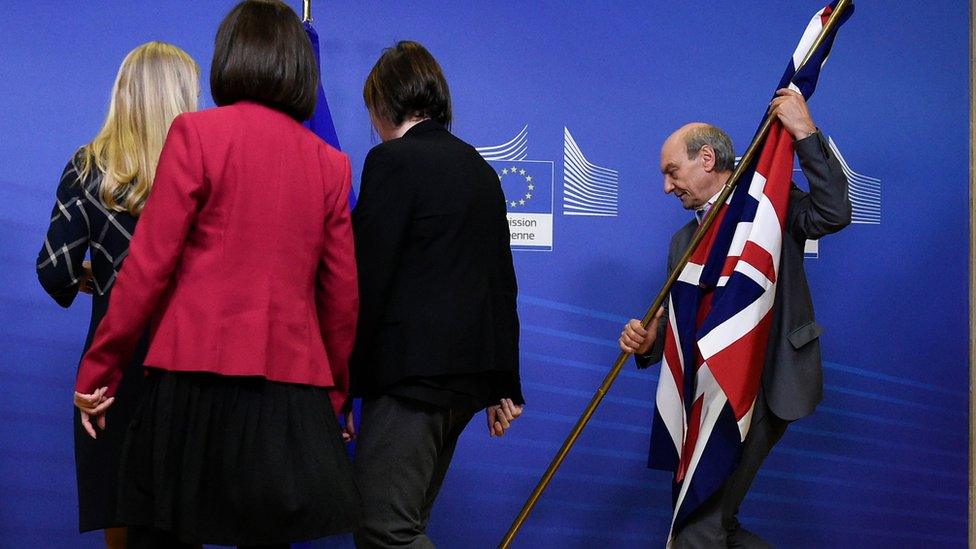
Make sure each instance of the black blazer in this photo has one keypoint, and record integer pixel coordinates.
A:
(792, 375)
(437, 283)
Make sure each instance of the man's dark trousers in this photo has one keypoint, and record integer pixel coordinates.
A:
(714, 523)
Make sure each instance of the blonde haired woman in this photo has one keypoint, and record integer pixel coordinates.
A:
(102, 191)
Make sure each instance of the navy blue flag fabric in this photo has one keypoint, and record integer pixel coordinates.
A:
(321, 121)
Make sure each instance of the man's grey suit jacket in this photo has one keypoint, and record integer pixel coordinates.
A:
(793, 375)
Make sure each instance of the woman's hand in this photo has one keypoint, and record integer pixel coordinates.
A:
(349, 431)
(93, 406)
(86, 282)
(501, 416)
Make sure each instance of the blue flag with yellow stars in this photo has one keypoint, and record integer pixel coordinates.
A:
(321, 121)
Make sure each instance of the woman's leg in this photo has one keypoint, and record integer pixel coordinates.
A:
(457, 420)
(396, 459)
(115, 537)
(147, 537)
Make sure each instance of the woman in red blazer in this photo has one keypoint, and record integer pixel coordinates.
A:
(243, 267)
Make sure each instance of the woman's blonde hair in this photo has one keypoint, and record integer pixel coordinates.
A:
(156, 82)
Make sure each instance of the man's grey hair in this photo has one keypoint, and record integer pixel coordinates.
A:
(718, 140)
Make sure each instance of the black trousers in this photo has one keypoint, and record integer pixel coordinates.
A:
(714, 524)
(147, 537)
(402, 455)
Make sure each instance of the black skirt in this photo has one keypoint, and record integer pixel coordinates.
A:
(97, 460)
(236, 461)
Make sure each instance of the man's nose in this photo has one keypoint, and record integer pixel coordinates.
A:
(668, 185)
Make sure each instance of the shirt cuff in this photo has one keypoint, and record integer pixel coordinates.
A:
(814, 133)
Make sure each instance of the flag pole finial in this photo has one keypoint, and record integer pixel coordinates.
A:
(306, 11)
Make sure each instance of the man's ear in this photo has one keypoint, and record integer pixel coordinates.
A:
(707, 157)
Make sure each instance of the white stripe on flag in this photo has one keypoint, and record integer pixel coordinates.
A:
(746, 422)
(742, 232)
(712, 404)
(809, 36)
(673, 321)
(741, 323)
(691, 274)
(767, 233)
(668, 397)
(757, 185)
(754, 274)
(668, 402)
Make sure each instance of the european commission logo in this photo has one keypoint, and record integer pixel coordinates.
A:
(528, 192)
(528, 196)
(588, 189)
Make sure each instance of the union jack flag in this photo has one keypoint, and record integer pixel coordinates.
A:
(721, 309)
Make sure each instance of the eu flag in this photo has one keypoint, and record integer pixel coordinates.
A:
(321, 121)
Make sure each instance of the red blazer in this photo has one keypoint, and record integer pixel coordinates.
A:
(242, 263)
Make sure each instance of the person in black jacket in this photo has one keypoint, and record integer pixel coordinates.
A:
(696, 162)
(438, 328)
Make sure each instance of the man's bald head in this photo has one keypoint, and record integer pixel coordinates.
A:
(696, 160)
(696, 135)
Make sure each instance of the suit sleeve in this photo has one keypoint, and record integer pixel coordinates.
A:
(512, 388)
(59, 261)
(380, 222)
(337, 295)
(155, 250)
(826, 209)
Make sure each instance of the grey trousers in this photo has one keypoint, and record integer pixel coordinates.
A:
(402, 455)
(714, 524)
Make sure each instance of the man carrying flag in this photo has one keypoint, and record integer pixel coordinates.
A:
(737, 339)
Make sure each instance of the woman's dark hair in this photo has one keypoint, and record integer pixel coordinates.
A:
(262, 54)
(407, 82)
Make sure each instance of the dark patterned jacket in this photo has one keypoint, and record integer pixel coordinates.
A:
(81, 223)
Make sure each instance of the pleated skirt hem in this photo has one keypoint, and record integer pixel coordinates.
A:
(236, 461)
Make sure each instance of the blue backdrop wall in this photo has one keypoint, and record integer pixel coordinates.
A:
(596, 87)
